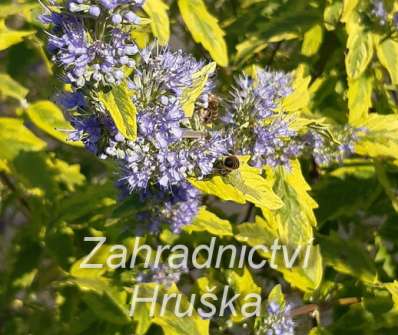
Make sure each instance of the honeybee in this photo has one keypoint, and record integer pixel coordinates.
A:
(227, 165)
(209, 114)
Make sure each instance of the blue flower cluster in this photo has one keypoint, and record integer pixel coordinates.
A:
(327, 152)
(379, 11)
(95, 55)
(176, 208)
(91, 41)
(277, 322)
(256, 125)
(161, 274)
(168, 150)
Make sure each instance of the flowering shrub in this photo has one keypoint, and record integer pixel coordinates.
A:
(138, 138)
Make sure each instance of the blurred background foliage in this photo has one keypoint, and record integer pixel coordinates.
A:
(53, 193)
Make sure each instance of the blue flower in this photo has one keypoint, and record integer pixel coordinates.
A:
(327, 152)
(277, 322)
(256, 126)
(379, 11)
(174, 208)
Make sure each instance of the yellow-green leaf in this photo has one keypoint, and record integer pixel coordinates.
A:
(387, 52)
(11, 88)
(348, 257)
(381, 136)
(296, 219)
(10, 37)
(312, 40)
(211, 223)
(332, 14)
(122, 110)
(191, 94)
(216, 186)
(49, 118)
(393, 289)
(349, 8)
(245, 184)
(15, 137)
(205, 29)
(305, 274)
(300, 97)
(360, 50)
(242, 282)
(254, 187)
(108, 302)
(359, 97)
(157, 11)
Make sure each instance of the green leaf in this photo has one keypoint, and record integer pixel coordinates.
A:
(44, 175)
(346, 191)
(122, 110)
(300, 98)
(17, 8)
(99, 257)
(389, 183)
(157, 11)
(360, 50)
(204, 29)
(10, 37)
(248, 48)
(191, 94)
(106, 301)
(218, 187)
(393, 289)
(211, 223)
(290, 25)
(349, 8)
(170, 323)
(49, 118)
(380, 138)
(276, 296)
(11, 88)
(305, 276)
(296, 219)
(359, 97)
(348, 257)
(245, 184)
(312, 41)
(59, 242)
(80, 207)
(15, 137)
(254, 187)
(387, 52)
(332, 14)
(242, 282)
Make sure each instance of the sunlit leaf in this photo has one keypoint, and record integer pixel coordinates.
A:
(295, 220)
(205, 29)
(359, 97)
(157, 11)
(387, 52)
(380, 138)
(10, 37)
(211, 223)
(312, 40)
(15, 137)
(11, 88)
(191, 94)
(49, 118)
(348, 257)
(360, 50)
(120, 106)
